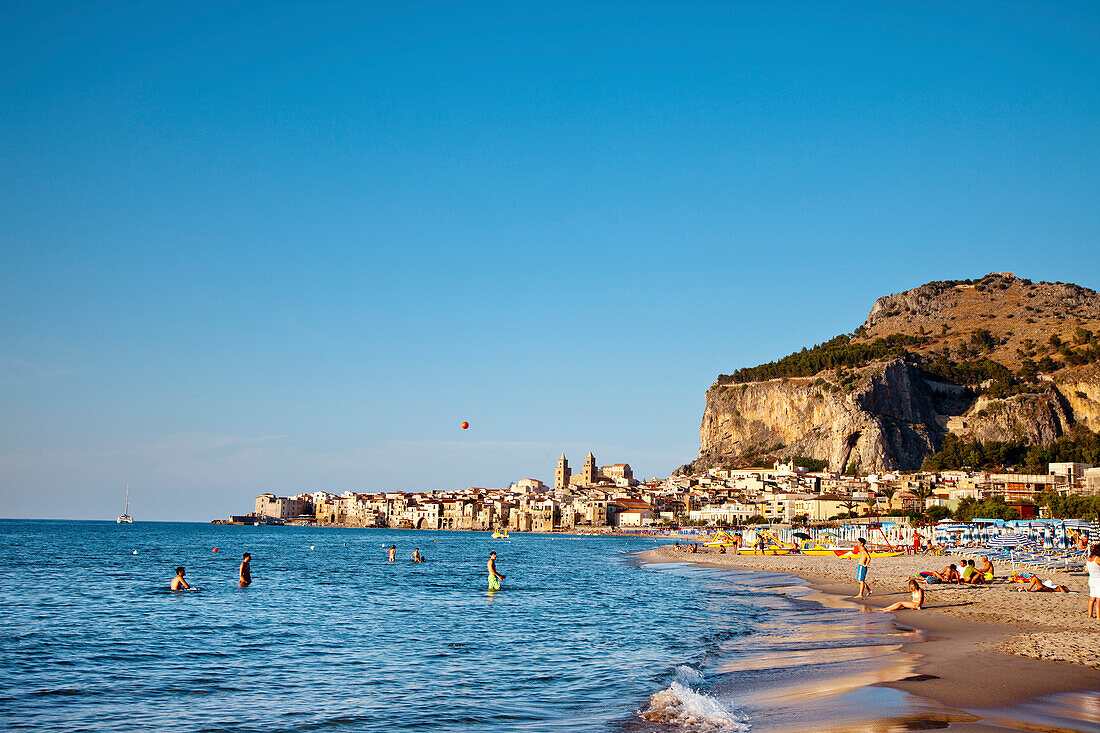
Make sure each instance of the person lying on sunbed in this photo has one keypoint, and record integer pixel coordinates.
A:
(1045, 586)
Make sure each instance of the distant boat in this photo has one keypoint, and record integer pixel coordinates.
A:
(500, 535)
(126, 518)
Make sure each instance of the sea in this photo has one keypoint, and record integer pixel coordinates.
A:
(582, 636)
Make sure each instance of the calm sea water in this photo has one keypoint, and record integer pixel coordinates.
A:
(331, 637)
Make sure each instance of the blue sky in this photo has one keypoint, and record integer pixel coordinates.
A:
(292, 246)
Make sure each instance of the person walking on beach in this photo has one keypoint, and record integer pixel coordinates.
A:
(861, 569)
(392, 552)
(494, 576)
(178, 583)
(245, 571)
(1093, 565)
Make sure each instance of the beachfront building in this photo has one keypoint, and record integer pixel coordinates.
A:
(730, 513)
(269, 505)
(1072, 473)
(1018, 486)
(1092, 482)
(629, 513)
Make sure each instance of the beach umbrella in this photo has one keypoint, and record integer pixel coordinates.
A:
(1012, 539)
(802, 535)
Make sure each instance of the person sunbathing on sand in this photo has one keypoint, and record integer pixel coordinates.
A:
(918, 599)
(950, 574)
(1045, 586)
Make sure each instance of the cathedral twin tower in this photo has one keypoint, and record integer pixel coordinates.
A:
(590, 476)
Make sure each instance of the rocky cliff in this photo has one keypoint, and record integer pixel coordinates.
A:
(891, 412)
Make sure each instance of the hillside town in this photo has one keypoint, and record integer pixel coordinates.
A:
(609, 498)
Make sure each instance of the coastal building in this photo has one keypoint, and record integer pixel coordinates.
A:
(1092, 481)
(589, 475)
(526, 485)
(1071, 472)
(562, 474)
(269, 505)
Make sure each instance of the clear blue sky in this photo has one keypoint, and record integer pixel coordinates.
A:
(291, 246)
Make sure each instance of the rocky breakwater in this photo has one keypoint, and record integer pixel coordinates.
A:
(884, 420)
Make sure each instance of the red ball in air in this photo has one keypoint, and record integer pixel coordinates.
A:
(465, 425)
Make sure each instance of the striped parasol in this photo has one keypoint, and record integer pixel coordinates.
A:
(1012, 539)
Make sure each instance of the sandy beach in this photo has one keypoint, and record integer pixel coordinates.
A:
(985, 647)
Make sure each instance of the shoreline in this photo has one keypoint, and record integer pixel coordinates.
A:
(964, 660)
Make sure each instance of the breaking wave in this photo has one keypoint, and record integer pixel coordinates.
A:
(689, 711)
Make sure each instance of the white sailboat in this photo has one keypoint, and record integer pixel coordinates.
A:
(126, 518)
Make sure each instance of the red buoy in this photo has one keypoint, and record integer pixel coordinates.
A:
(215, 549)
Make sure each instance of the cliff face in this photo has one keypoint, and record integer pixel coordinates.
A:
(1081, 392)
(890, 414)
(1037, 419)
(883, 422)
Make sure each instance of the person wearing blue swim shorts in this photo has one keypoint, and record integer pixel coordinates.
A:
(861, 569)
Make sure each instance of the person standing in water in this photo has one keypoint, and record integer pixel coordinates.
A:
(392, 552)
(861, 569)
(416, 556)
(178, 583)
(494, 576)
(245, 571)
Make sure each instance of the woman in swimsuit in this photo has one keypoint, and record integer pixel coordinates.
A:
(1093, 565)
(918, 598)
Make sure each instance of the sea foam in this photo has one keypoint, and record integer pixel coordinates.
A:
(684, 709)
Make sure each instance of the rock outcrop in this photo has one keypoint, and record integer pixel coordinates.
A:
(891, 414)
(886, 421)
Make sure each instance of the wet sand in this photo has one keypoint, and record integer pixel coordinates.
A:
(987, 650)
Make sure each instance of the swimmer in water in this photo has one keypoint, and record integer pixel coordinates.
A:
(494, 576)
(392, 552)
(178, 583)
(246, 571)
(416, 556)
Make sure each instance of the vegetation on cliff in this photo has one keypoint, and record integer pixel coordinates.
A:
(1083, 446)
(834, 353)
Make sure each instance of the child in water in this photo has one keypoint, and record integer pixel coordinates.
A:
(494, 576)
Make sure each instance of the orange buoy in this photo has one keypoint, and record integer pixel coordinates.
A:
(215, 549)
(465, 425)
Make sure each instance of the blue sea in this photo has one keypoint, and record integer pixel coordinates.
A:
(583, 636)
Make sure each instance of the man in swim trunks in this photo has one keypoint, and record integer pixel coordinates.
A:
(950, 574)
(416, 555)
(392, 552)
(178, 583)
(986, 569)
(245, 571)
(494, 576)
(861, 569)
